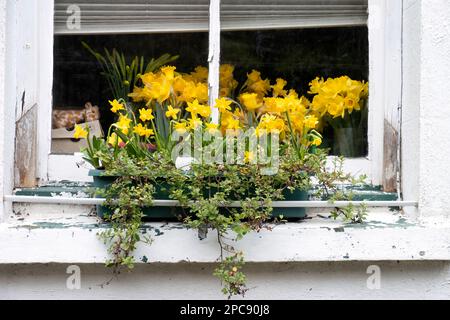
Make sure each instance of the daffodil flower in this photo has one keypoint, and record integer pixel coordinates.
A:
(80, 132)
(123, 124)
(143, 131)
(250, 101)
(116, 106)
(146, 115)
(212, 128)
(180, 127)
(172, 113)
(223, 104)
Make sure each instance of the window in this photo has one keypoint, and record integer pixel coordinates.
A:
(107, 24)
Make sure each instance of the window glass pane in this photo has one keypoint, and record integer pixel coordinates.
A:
(299, 56)
(77, 74)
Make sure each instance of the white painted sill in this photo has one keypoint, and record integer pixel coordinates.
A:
(71, 237)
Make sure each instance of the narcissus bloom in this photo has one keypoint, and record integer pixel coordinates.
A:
(180, 127)
(254, 76)
(250, 101)
(271, 124)
(317, 142)
(146, 115)
(212, 128)
(172, 113)
(114, 140)
(123, 124)
(337, 96)
(169, 72)
(143, 131)
(80, 132)
(195, 123)
(223, 104)
(278, 88)
(195, 109)
(200, 74)
(116, 106)
(311, 122)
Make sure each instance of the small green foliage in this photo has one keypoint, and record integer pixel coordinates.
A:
(351, 213)
(206, 193)
(229, 272)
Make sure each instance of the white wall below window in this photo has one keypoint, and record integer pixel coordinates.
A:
(403, 280)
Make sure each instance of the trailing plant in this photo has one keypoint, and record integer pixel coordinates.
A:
(205, 194)
(225, 184)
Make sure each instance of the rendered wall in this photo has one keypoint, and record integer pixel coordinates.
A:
(267, 281)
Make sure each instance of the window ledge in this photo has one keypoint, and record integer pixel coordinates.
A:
(384, 237)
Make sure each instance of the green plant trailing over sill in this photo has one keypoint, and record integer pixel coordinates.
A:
(204, 193)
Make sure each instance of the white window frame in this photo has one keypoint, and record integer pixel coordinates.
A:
(385, 20)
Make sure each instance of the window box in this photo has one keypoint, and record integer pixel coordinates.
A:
(102, 181)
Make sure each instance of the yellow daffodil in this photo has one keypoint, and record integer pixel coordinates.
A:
(205, 111)
(271, 124)
(311, 122)
(260, 87)
(200, 74)
(250, 101)
(189, 92)
(223, 104)
(195, 123)
(143, 131)
(161, 89)
(278, 88)
(233, 124)
(317, 142)
(180, 127)
(146, 115)
(123, 124)
(116, 106)
(194, 108)
(226, 71)
(337, 96)
(114, 140)
(172, 113)
(148, 78)
(80, 132)
(212, 128)
(202, 92)
(169, 72)
(275, 105)
(254, 76)
(316, 85)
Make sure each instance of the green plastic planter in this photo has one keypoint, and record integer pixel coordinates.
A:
(101, 181)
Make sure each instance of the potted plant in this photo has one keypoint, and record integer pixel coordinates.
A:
(225, 175)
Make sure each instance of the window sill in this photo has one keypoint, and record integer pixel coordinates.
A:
(386, 236)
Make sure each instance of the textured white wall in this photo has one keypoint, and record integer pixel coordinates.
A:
(193, 281)
(2, 89)
(434, 112)
(7, 100)
(411, 99)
